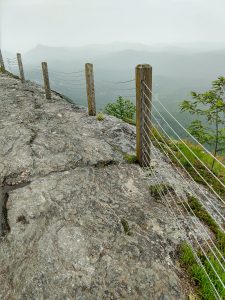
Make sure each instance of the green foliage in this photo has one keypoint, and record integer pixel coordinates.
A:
(180, 148)
(123, 109)
(202, 213)
(130, 121)
(100, 116)
(211, 107)
(187, 256)
(130, 158)
(206, 218)
(198, 274)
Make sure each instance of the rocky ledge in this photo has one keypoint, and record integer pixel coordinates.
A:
(77, 221)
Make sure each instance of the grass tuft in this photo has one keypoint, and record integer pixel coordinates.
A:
(130, 158)
(197, 272)
(206, 218)
(205, 288)
(100, 116)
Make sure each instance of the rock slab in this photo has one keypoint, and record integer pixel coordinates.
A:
(78, 222)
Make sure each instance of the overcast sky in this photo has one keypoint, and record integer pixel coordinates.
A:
(26, 23)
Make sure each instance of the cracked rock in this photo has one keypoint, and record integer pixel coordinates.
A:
(82, 222)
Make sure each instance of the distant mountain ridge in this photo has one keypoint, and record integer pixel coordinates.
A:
(166, 62)
(177, 70)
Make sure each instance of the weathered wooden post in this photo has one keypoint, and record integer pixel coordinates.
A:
(90, 89)
(46, 80)
(20, 64)
(2, 62)
(143, 113)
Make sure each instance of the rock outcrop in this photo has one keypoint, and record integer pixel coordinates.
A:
(77, 221)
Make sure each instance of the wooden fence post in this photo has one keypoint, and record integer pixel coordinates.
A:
(143, 114)
(90, 89)
(20, 64)
(46, 80)
(2, 62)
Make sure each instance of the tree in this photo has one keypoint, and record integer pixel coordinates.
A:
(210, 130)
(123, 109)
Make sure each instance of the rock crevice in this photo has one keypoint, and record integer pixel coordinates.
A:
(4, 196)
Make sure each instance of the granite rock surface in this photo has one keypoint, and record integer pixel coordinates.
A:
(77, 221)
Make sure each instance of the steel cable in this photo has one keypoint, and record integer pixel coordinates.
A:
(184, 128)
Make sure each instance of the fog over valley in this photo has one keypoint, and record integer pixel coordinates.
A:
(185, 47)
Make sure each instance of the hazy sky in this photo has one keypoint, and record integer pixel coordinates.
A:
(26, 23)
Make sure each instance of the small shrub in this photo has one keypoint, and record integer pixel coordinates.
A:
(123, 109)
(130, 158)
(100, 116)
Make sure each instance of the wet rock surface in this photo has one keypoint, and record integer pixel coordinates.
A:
(79, 222)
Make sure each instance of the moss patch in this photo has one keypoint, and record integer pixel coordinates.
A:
(130, 158)
(158, 189)
(178, 148)
(126, 226)
(206, 218)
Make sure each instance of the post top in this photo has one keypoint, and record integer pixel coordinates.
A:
(144, 66)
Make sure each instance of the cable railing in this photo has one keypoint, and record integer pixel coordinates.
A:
(186, 131)
(71, 84)
(152, 139)
(120, 82)
(183, 200)
(195, 223)
(186, 145)
(175, 145)
(109, 90)
(12, 65)
(163, 138)
(164, 195)
(67, 73)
